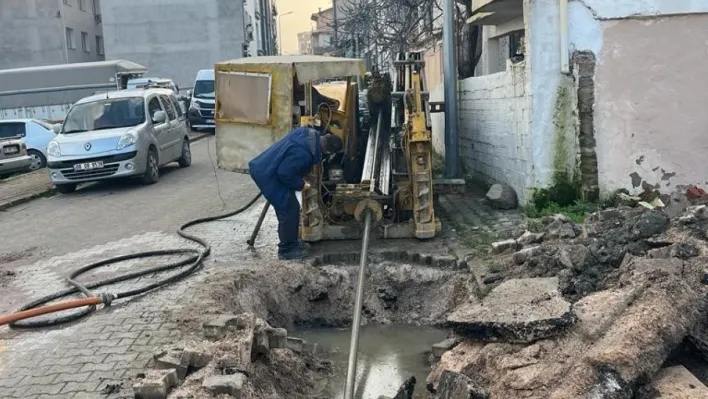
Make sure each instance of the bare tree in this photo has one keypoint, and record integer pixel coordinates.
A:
(397, 26)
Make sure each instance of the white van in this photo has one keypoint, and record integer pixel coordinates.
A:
(202, 98)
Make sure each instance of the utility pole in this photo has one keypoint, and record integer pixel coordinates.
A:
(452, 122)
(334, 23)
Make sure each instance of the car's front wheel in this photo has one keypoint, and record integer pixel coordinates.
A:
(38, 160)
(66, 188)
(152, 168)
(186, 159)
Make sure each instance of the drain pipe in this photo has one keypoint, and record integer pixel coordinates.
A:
(563, 33)
(354, 344)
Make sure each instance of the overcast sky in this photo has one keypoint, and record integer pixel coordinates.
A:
(298, 21)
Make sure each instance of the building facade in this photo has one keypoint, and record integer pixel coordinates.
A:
(304, 43)
(601, 96)
(173, 38)
(261, 27)
(49, 32)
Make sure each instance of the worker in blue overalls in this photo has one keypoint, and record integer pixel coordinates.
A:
(280, 171)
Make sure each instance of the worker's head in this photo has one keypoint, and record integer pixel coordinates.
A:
(331, 144)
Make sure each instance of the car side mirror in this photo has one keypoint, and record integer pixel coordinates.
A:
(56, 128)
(159, 117)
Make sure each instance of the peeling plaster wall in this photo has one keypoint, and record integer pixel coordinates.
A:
(651, 96)
(649, 114)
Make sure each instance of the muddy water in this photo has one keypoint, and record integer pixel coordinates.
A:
(388, 354)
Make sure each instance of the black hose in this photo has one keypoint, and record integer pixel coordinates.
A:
(195, 261)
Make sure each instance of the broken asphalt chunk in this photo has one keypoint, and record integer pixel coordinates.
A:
(520, 311)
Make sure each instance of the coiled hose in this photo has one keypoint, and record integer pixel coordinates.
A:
(194, 262)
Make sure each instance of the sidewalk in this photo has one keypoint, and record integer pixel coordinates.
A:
(23, 188)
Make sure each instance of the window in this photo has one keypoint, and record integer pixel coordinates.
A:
(105, 114)
(85, 42)
(82, 6)
(12, 129)
(70, 39)
(167, 104)
(153, 107)
(99, 45)
(66, 2)
(178, 108)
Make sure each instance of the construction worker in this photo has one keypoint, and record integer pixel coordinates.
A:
(280, 171)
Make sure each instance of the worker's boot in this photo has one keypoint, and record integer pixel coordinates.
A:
(303, 244)
(298, 252)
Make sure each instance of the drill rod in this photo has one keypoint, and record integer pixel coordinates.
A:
(354, 344)
(264, 212)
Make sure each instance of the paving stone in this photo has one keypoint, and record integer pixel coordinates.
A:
(277, 337)
(88, 386)
(678, 383)
(171, 361)
(520, 310)
(501, 246)
(195, 357)
(525, 254)
(295, 344)
(225, 384)
(156, 384)
(441, 347)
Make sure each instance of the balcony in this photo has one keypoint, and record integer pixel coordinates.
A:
(495, 12)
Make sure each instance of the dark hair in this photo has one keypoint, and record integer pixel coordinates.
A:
(331, 144)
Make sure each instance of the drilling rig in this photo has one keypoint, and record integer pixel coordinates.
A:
(396, 180)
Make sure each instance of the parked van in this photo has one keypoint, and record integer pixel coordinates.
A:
(202, 99)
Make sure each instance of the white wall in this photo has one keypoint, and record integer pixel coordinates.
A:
(495, 141)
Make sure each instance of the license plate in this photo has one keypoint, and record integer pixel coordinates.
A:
(210, 121)
(88, 165)
(11, 150)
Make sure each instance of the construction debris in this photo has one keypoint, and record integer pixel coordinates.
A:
(586, 310)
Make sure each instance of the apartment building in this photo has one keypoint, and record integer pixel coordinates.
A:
(49, 32)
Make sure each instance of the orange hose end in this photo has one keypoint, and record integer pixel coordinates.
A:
(57, 307)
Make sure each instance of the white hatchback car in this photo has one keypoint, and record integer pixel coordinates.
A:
(128, 133)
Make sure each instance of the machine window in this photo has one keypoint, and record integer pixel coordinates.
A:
(232, 88)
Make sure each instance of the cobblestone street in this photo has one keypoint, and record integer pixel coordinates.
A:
(53, 236)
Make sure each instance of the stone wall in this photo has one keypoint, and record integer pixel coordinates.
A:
(494, 128)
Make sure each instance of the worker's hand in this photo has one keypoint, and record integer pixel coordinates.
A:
(306, 186)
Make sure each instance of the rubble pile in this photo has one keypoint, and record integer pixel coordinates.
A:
(242, 357)
(586, 310)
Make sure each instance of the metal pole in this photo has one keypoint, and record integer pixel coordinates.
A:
(280, 35)
(354, 344)
(264, 212)
(452, 154)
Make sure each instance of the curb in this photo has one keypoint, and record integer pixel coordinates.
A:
(46, 193)
(52, 190)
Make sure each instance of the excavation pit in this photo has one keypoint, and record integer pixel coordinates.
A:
(404, 303)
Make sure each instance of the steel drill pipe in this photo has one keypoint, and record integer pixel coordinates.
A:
(354, 344)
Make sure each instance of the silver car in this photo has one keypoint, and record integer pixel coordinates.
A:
(129, 133)
(13, 156)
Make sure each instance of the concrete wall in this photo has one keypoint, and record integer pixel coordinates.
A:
(495, 142)
(649, 110)
(174, 38)
(82, 20)
(32, 34)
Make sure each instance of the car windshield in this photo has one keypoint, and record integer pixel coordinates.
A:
(105, 114)
(204, 89)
